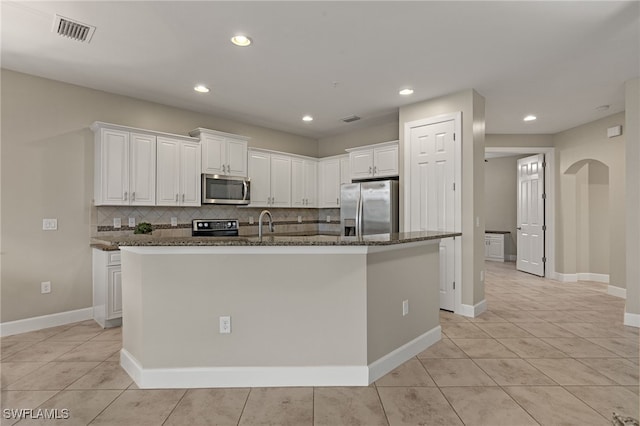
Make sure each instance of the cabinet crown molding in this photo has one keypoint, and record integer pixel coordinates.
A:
(288, 154)
(200, 130)
(97, 125)
(372, 146)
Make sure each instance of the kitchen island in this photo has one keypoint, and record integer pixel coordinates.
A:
(304, 311)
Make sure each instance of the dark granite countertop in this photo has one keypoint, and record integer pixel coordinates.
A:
(272, 240)
(496, 232)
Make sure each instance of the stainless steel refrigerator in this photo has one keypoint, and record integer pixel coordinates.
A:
(368, 208)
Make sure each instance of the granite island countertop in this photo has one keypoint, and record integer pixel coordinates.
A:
(111, 243)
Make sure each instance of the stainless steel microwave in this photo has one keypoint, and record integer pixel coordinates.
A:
(221, 189)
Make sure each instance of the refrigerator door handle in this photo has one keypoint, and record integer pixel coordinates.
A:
(358, 216)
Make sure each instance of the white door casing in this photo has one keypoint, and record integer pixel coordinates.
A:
(530, 236)
(431, 199)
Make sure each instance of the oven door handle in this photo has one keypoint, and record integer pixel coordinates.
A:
(245, 191)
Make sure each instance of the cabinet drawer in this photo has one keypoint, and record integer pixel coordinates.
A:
(114, 258)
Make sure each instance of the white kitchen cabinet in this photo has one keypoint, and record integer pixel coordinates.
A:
(125, 166)
(373, 161)
(333, 172)
(178, 172)
(222, 153)
(494, 247)
(270, 175)
(304, 182)
(107, 288)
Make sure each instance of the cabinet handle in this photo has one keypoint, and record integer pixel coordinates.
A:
(176, 198)
(183, 198)
(370, 170)
(375, 169)
(133, 196)
(125, 196)
(338, 201)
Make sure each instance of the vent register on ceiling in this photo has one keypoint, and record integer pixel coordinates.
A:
(72, 29)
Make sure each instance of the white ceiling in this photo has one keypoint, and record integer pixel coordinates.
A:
(557, 60)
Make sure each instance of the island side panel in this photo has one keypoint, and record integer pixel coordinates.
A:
(406, 273)
(285, 309)
(132, 334)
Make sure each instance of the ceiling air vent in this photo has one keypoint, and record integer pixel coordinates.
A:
(351, 119)
(73, 29)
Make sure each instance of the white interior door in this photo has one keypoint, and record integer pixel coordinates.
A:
(530, 238)
(432, 194)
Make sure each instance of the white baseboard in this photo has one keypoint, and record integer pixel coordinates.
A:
(511, 257)
(231, 377)
(581, 276)
(390, 361)
(632, 320)
(565, 278)
(473, 311)
(38, 323)
(617, 291)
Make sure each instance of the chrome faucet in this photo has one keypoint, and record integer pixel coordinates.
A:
(271, 227)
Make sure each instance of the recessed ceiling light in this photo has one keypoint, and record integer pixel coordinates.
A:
(201, 88)
(406, 92)
(530, 118)
(307, 118)
(241, 40)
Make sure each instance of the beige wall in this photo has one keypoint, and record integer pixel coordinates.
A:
(501, 198)
(519, 141)
(381, 132)
(574, 147)
(471, 104)
(632, 200)
(47, 172)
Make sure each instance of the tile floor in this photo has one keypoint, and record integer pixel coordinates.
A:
(544, 353)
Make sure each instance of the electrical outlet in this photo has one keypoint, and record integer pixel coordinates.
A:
(481, 276)
(225, 325)
(49, 224)
(174, 221)
(299, 219)
(405, 308)
(132, 222)
(250, 220)
(117, 222)
(45, 287)
(328, 219)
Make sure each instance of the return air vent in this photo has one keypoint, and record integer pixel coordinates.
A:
(73, 29)
(351, 119)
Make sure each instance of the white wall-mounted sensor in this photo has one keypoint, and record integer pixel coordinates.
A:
(614, 131)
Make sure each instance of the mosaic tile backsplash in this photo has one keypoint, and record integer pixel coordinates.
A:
(286, 219)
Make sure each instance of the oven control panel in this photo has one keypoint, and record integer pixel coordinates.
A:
(214, 227)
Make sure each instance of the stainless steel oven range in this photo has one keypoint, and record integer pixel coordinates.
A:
(214, 228)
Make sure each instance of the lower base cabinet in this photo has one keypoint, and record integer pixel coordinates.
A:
(107, 288)
(494, 247)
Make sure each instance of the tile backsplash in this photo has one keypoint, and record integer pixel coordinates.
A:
(286, 219)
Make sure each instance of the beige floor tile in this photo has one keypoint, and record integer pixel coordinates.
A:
(451, 317)
(114, 358)
(620, 370)
(347, 406)
(545, 329)
(278, 406)
(553, 405)
(411, 373)
(140, 408)
(11, 347)
(589, 329)
(484, 348)
(42, 351)
(607, 399)
(634, 389)
(53, 376)
(12, 371)
(503, 330)
(114, 333)
(37, 335)
(107, 375)
(577, 347)
(457, 372)
(532, 348)
(618, 345)
(16, 400)
(92, 351)
(487, 316)
(463, 330)
(78, 333)
(445, 348)
(518, 316)
(556, 317)
(83, 407)
(417, 406)
(208, 407)
(513, 372)
(490, 406)
(569, 371)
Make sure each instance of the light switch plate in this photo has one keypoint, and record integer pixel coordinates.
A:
(174, 221)
(117, 222)
(49, 224)
(132, 222)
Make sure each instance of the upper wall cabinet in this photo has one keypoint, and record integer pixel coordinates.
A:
(125, 166)
(373, 161)
(333, 172)
(270, 174)
(304, 182)
(179, 165)
(222, 153)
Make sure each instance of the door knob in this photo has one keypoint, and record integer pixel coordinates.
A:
(519, 228)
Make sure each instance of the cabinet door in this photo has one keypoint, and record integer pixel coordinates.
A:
(385, 161)
(297, 183)
(214, 154)
(280, 181)
(330, 183)
(345, 170)
(142, 184)
(361, 164)
(495, 248)
(236, 157)
(114, 292)
(168, 168)
(114, 158)
(190, 179)
(310, 183)
(260, 175)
